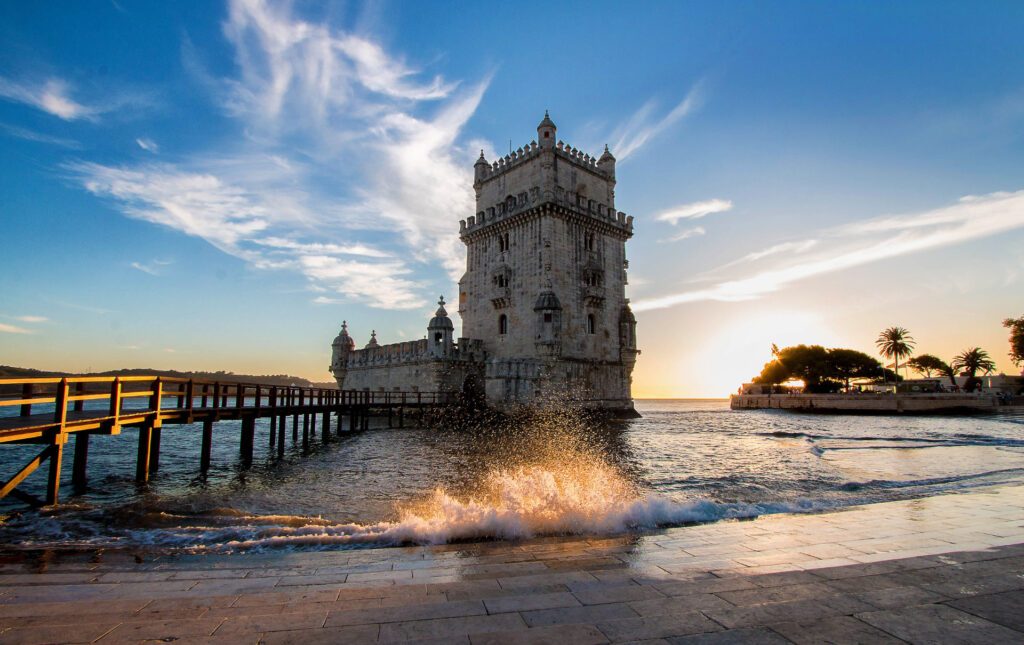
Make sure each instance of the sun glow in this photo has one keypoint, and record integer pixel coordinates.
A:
(740, 349)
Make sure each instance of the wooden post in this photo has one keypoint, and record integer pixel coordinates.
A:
(204, 458)
(280, 436)
(115, 401)
(26, 393)
(79, 390)
(247, 439)
(78, 470)
(53, 478)
(273, 431)
(142, 458)
(295, 429)
(312, 425)
(305, 433)
(327, 426)
(206, 390)
(190, 394)
(154, 443)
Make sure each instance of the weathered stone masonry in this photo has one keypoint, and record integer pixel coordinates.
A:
(542, 301)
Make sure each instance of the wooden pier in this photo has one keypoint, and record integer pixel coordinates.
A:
(89, 405)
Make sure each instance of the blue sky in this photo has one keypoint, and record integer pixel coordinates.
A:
(216, 186)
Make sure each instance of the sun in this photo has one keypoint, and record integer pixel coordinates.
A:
(741, 348)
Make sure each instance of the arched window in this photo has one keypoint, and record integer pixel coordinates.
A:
(502, 242)
(502, 324)
(588, 241)
(591, 324)
(438, 336)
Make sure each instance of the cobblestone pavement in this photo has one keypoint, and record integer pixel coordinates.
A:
(944, 569)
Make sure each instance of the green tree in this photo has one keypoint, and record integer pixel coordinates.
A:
(1016, 327)
(846, 364)
(810, 364)
(927, 363)
(970, 362)
(895, 343)
(773, 373)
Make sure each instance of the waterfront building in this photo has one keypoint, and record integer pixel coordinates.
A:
(542, 302)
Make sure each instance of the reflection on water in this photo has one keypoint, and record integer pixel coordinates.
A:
(553, 473)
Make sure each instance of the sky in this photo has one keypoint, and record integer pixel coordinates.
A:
(205, 186)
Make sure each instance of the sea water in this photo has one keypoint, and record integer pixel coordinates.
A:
(685, 461)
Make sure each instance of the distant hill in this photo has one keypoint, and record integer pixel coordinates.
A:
(7, 371)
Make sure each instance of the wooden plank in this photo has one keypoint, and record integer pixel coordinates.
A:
(142, 457)
(26, 402)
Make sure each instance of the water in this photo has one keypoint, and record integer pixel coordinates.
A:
(685, 461)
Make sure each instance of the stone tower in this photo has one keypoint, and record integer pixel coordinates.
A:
(544, 288)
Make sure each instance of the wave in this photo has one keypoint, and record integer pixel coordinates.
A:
(511, 505)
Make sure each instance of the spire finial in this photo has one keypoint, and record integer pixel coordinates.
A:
(344, 325)
(440, 300)
(606, 147)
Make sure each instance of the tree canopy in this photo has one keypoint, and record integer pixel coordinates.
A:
(821, 369)
(1016, 327)
(971, 361)
(927, 363)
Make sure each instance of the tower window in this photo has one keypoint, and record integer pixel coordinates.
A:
(547, 318)
(503, 324)
(502, 242)
(547, 134)
(591, 324)
(438, 337)
(588, 241)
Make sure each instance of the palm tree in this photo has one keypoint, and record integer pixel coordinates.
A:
(895, 343)
(971, 361)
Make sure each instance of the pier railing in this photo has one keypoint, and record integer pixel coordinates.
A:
(48, 411)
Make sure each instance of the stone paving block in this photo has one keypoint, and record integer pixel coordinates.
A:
(323, 636)
(564, 578)
(1006, 609)
(560, 634)
(785, 578)
(712, 585)
(271, 623)
(497, 592)
(313, 580)
(530, 602)
(603, 594)
(166, 630)
(939, 624)
(190, 602)
(896, 597)
(448, 628)
(691, 602)
(38, 635)
(586, 614)
(777, 594)
(285, 597)
(755, 636)
(15, 610)
(838, 629)
(630, 629)
(406, 613)
(798, 611)
(978, 586)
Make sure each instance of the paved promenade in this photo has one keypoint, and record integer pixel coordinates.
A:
(946, 569)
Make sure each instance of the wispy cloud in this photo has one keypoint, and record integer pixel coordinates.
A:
(872, 240)
(32, 135)
(644, 125)
(51, 96)
(688, 233)
(148, 144)
(309, 97)
(154, 267)
(14, 329)
(695, 210)
(31, 319)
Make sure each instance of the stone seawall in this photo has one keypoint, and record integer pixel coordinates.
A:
(874, 403)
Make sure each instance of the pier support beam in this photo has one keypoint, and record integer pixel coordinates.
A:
(295, 429)
(78, 470)
(142, 458)
(53, 478)
(280, 436)
(312, 425)
(247, 440)
(204, 458)
(273, 431)
(326, 427)
(154, 450)
(305, 433)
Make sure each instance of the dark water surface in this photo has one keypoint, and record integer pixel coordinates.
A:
(685, 461)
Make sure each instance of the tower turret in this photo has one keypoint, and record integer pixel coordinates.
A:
(440, 332)
(480, 169)
(546, 132)
(607, 162)
(340, 349)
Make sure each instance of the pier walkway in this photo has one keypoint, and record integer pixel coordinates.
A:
(49, 411)
(943, 569)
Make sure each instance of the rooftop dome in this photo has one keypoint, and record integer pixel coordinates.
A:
(607, 156)
(343, 339)
(440, 319)
(547, 122)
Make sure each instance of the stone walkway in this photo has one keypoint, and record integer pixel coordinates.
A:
(946, 569)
